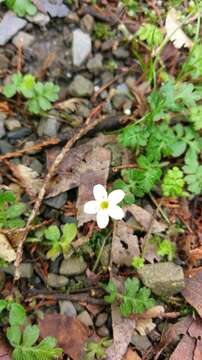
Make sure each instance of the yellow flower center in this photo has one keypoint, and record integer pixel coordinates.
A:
(104, 204)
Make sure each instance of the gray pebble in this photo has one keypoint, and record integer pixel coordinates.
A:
(56, 281)
(12, 124)
(103, 331)
(81, 47)
(73, 266)
(5, 147)
(19, 133)
(101, 319)
(2, 129)
(57, 202)
(81, 87)
(121, 53)
(85, 318)
(23, 39)
(95, 65)
(67, 308)
(48, 127)
(87, 23)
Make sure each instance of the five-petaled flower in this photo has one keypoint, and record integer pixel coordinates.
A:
(105, 205)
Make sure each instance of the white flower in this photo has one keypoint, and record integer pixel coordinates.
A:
(105, 205)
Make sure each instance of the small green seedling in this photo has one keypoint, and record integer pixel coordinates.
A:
(60, 242)
(40, 95)
(103, 31)
(134, 299)
(97, 350)
(137, 262)
(24, 337)
(151, 34)
(21, 7)
(173, 183)
(11, 211)
(164, 247)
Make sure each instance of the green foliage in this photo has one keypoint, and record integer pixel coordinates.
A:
(103, 31)
(193, 172)
(60, 243)
(23, 337)
(10, 211)
(196, 117)
(40, 95)
(96, 350)
(21, 7)
(151, 34)
(111, 65)
(135, 299)
(167, 248)
(131, 6)
(137, 262)
(193, 65)
(173, 183)
(164, 248)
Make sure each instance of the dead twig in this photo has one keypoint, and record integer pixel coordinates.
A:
(71, 297)
(89, 125)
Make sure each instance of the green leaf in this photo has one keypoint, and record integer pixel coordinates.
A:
(54, 251)
(134, 136)
(196, 117)
(52, 233)
(14, 223)
(9, 90)
(33, 106)
(112, 290)
(30, 335)
(151, 34)
(51, 91)
(3, 305)
(44, 103)
(69, 234)
(17, 315)
(7, 196)
(167, 248)
(27, 86)
(14, 335)
(173, 183)
(21, 7)
(15, 210)
(137, 262)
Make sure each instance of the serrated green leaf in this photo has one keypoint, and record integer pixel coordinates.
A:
(44, 103)
(52, 233)
(21, 7)
(7, 196)
(14, 335)
(27, 86)
(33, 106)
(14, 223)
(30, 335)
(51, 91)
(167, 248)
(3, 305)
(17, 315)
(173, 183)
(15, 210)
(112, 290)
(54, 251)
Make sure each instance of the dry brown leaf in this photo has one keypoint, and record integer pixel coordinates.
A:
(122, 329)
(174, 31)
(198, 351)
(131, 355)
(70, 171)
(4, 349)
(29, 179)
(70, 104)
(193, 291)
(143, 217)
(70, 333)
(184, 349)
(144, 323)
(6, 251)
(124, 244)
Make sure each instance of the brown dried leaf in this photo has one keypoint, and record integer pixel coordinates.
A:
(29, 179)
(124, 244)
(143, 217)
(70, 104)
(4, 349)
(193, 291)
(174, 31)
(76, 162)
(131, 355)
(144, 321)
(122, 330)
(184, 349)
(6, 251)
(70, 333)
(198, 351)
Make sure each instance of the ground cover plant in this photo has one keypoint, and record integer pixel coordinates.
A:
(100, 179)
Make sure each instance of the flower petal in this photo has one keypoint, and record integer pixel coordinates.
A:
(91, 207)
(102, 219)
(115, 212)
(116, 196)
(99, 192)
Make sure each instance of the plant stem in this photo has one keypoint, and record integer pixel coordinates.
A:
(101, 251)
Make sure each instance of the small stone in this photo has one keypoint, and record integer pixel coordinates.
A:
(56, 281)
(5, 147)
(12, 124)
(2, 129)
(95, 65)
(25, 270)
(87, 23)
(36, 166)
(73, 266)
(85, 318)
(119, 101)
(48, 127)
(68, 219)
(107, 45)
(163, 279)
(9, 26)
(121, 53)
(140, 342)
(39, 19)
(103, 331)
(101, 319)
(2, 279)
(19, 133)
(57, 202)
(81, 87)
(106, 77)
(81, 47)
(23, 39)
(67, 308)
(72, 18)
(4, 63)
